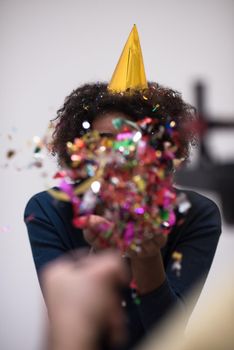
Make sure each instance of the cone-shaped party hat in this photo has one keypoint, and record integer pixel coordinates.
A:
(129, 73)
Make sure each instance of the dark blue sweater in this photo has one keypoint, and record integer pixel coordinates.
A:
(51, 234)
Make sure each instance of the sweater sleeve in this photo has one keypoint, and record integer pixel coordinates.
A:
(46, 232)
(197, 241)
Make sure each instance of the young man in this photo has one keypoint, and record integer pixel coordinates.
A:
(51, 232)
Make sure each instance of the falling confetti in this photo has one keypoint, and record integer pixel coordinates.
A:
(16, 155)
(155, 107)
(30, 218)
(126, 178)
(5, 228)
(177, 263)
(10, 153)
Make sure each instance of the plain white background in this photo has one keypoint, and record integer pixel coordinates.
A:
(50, 47)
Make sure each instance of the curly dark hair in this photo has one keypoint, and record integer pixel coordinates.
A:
(92, 100)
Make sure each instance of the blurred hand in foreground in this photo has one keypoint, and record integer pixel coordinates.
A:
(83, 301)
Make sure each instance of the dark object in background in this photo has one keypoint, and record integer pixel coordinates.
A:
(209, 174)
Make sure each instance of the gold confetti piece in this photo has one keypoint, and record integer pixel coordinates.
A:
(177, 255)
(155, 107)
(141, 185)
(61, 196)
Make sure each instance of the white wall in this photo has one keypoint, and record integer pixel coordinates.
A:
(50, 47)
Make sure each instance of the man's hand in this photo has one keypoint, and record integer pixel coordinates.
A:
(146, 266)
(95, 224)
(83, 301)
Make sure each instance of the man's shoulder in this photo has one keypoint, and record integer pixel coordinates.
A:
(198, 201)
(203, 211)
(40, 198)
(46, 201)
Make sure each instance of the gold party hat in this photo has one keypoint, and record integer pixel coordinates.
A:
(129, 73)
